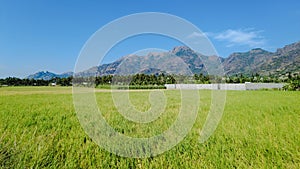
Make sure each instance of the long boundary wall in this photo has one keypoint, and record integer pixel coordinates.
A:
(227, 86)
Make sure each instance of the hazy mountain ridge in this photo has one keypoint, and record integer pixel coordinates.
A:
(284, 60)
(45, 75)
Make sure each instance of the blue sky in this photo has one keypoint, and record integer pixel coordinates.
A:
(38, 35)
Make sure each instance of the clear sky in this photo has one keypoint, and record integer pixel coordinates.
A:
(38, 35)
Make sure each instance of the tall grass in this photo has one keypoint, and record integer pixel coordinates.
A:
(39, 129)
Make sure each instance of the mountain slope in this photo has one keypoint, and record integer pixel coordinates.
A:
(182, 59)
(284, 60)
(246, 62)
(257, 60)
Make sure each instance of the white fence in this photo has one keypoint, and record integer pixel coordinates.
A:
(227, 86)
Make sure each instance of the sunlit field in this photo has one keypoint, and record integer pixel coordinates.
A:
(39, 129)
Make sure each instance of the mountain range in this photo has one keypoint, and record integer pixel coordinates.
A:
(45, 75)
(182, 59)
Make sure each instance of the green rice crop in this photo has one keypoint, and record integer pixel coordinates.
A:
(39, 129)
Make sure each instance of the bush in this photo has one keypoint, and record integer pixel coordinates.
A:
(292, 85)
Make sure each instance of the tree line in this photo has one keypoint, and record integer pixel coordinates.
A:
(13, 81)
(292, 80)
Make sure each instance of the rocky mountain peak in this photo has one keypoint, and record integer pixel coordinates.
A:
(257, 51)
(289, 48)
(182, 50)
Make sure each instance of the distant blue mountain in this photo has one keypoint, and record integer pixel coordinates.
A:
(45, 75)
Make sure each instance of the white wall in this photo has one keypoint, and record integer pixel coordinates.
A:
(227, 86)
(256, 86)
